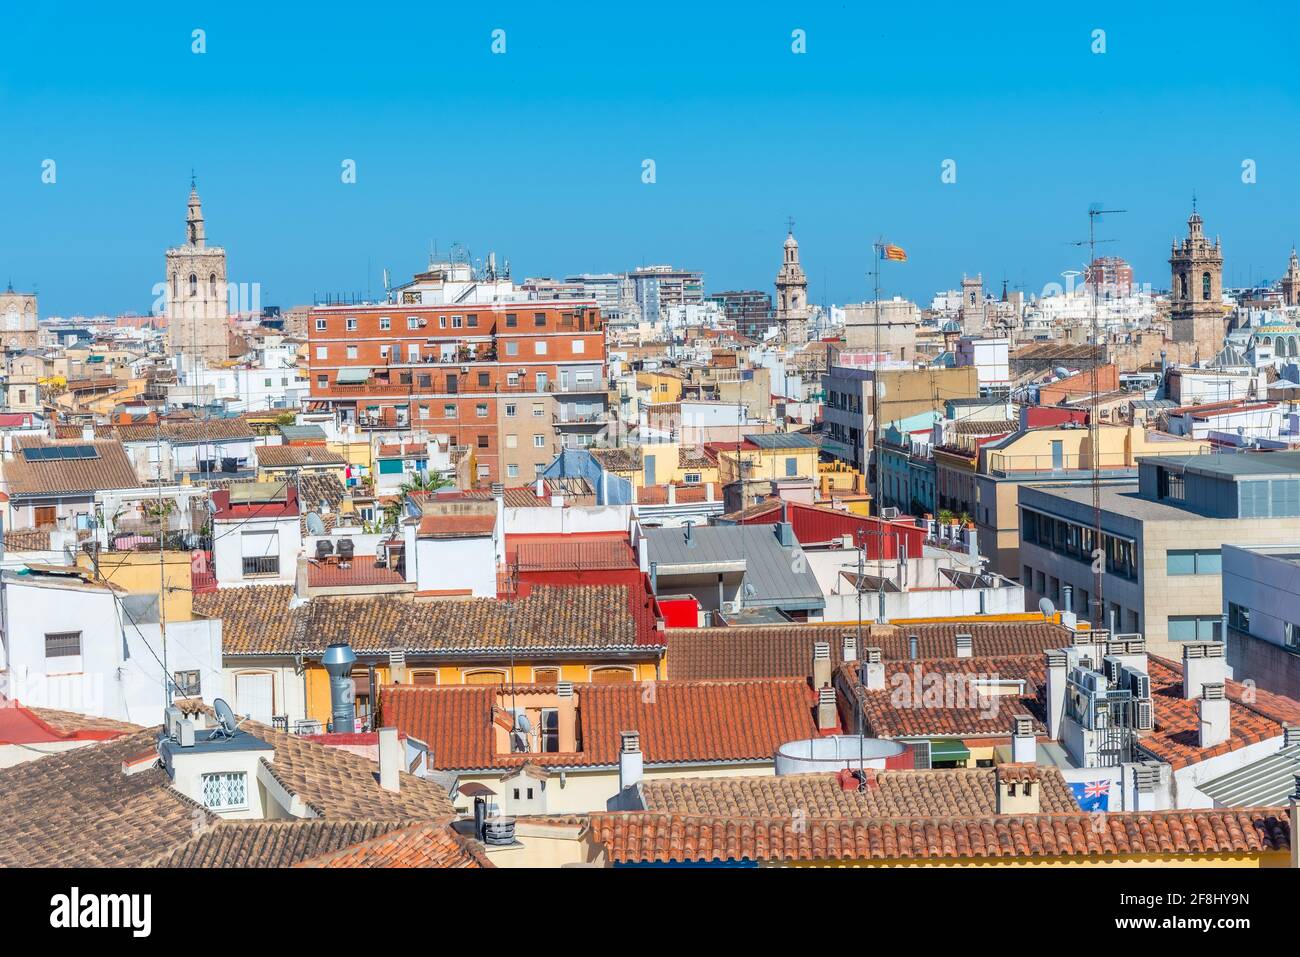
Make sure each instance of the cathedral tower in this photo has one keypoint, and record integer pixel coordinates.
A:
(196, 291)
(1291, 282)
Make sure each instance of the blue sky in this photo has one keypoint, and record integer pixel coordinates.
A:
(537, 153)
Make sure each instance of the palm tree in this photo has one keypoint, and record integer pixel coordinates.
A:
(429, 482)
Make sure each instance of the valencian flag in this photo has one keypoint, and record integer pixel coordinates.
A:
(895, 253)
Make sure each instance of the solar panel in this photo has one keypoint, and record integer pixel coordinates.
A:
(55, 453)
(781, 440)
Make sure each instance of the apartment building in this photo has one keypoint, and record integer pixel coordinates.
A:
(1162, 540)
(512, 380)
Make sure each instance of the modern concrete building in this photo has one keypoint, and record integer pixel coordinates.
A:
(1261, 604)
(1162, 540)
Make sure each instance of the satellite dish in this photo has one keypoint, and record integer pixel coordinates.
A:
(227, 723)
(314, 524)
(1046, 607)
(522, 724)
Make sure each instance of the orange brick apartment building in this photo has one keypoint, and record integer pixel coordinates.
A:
(512, 381)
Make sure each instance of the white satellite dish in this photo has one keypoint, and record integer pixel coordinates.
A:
(315, 526)
(227, 723)
(1046, 607)
(522, 724)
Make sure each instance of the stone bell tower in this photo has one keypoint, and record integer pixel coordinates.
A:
(792, 294)
(197, 309)
(1196, 289)
(1291, 282)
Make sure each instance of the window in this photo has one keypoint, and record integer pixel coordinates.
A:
(449, 410)
(1195, 628)
(481, 410)
(322, 381)
(424, 412)
(385, 323)
(511, 410)
(511, 320)
(63, 644)
(1205, 286)
(187, 683)
(610, 675)
(426, 380)
(383, 352)
(691, 478)
(413, 322)
(352, 352)
(482, 441)
(512, 471)
(352, 325)
(484, 379)
(457, 322)
(538, 410)
(512, 441)
(255, 565)
(579, 346)
(194, 285)
(791, 466)
(471, 320)
(550, 733)
(225, 791)
(1291, 635)
(320, 325)
(539, 347)
(1170, 485)
(539, 441)
(539, 319)
(442, 322)
(512, 348)
(1208, 561)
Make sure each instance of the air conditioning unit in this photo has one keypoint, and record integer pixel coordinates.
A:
(464, 368)
(889, 514)
(731, 608)
(1144, 716)
(1114, 668)
(423, 323)
(1138, 684)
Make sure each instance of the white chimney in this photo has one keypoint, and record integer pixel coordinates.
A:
(1214, 712)
(1058, 664)
(88, 432)
(965, 644)
(821, 664)
(1203, 664)
(1024, 744)
(871, 671)
(849, 648)
(828, 716)
(631, 763)
(390, 760)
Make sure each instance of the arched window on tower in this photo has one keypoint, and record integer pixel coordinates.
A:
(212, 285)
(176, 285)
(1182, 285)
(1205, 286)
(194, 285)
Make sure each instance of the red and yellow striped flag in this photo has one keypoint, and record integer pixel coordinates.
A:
(894, 253)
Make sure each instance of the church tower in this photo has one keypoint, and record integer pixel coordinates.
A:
(792, 295)
(1196, 289)
(1291, 282)
(972, 303)
(196, 291)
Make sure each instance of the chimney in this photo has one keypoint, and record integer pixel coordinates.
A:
(1202, 664)
(1214, 712)
(964, 646)
(871, 670)
(1146, 785)
(300, 579)
(821, 664)
(913, 644)
(498, 490)
(1024, 743)
(1058, 664)
(541, 488)
(568, 716)
(1017, 789)
(849, 647)
(630, 761)
(88, 432)
(397, 666)
(828, 717)
(784, 534)
(390, 760)
(338, 661)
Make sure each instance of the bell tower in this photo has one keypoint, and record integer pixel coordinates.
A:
(792, 294)
(196, 291)
(1196, 289)
(1291, 282)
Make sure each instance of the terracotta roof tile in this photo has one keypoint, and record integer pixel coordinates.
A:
(963, 792)
(772, 651)
(657, 837)
(423, 845)
(270, 843)
(679, 722)
(254, 620)
(293, 456)
(108, 468)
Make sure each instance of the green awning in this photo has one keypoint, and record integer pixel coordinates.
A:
(352, 376)
(947, 749)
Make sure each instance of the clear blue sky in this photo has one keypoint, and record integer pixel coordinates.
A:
(537, 153)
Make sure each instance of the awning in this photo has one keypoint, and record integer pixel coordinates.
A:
(352, 376)
(948, 749)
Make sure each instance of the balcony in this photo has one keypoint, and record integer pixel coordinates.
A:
(600, 417)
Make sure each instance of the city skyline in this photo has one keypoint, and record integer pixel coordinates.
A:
(497, 150)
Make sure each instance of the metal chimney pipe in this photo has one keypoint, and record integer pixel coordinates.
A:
(338, 661)
(912, 646)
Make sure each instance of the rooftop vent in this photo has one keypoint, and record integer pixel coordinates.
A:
(564, 689)
(965, 644)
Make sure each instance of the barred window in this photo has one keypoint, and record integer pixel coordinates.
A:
(187, 683)
(62, 644)
(225, 791)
